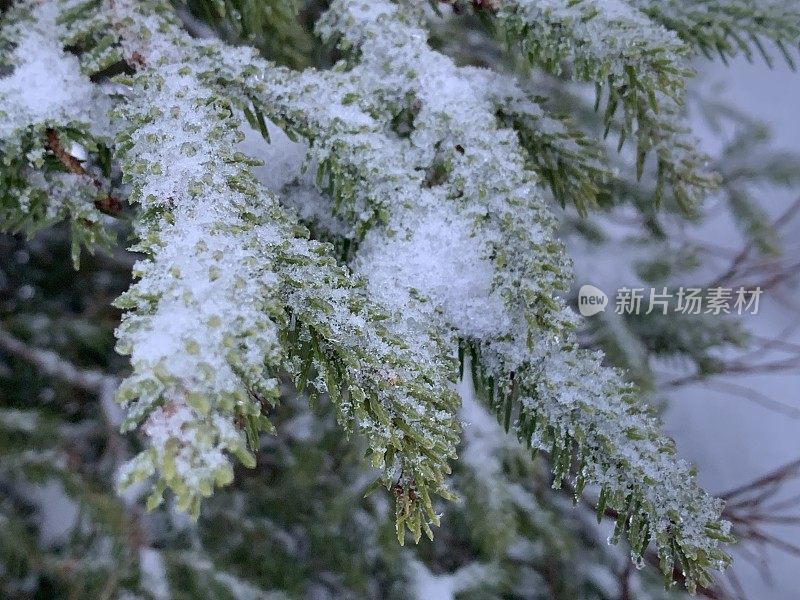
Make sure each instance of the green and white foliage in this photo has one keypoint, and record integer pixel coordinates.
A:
(637, 66)
(269, 25)
(234, 293)
(728, 29)
(40, 181)
(433, 180)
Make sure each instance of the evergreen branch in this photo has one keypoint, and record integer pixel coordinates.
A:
(208, 334)
(571, 163)
(88, 380)
(52, 364)
(639, 62)
(456, 241)
(41, 182)
(433, 175)
(533, 369)
(731, 28)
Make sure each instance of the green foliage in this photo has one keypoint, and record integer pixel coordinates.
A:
(29, 204)
(637, 68)
(272, 26)
(233, 298)
(728, 29)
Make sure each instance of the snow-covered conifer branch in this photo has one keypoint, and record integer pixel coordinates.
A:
(233, 292)
(640, 67)
(728, 28)
(601, 39)
(436, 170)
(541, 379)
(49, 113)
(571, 163)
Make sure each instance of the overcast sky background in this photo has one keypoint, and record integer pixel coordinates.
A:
(731, 439)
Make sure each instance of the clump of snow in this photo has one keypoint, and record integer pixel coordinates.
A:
(448, 586)
(437, 256)
(46, 84)
(154, 573)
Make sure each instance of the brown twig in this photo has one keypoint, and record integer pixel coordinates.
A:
(778, 475)
(744, 254)
(742, 391)
(107, 204)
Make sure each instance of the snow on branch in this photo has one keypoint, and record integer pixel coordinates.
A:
(638, 64)
(49, 113)
(232, 293)
(571, 163)
(562, 399)
(437, 171)
(458, 181)
(731, 27)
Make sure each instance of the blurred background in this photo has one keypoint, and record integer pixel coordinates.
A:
(742, 427)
